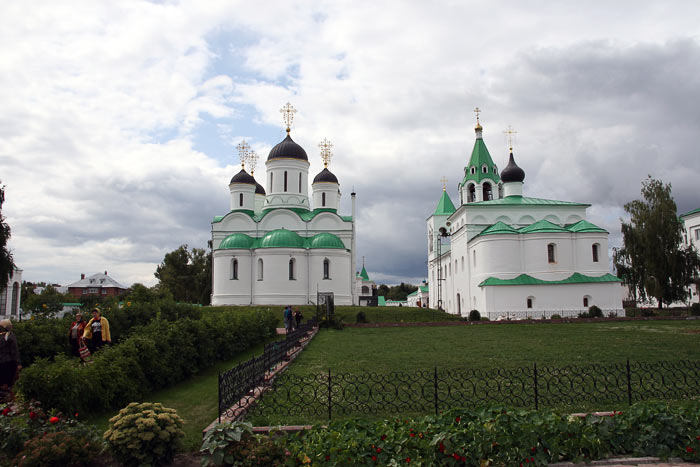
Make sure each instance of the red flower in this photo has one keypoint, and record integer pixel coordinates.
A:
(408, 460)
(379, 450)
(533, 449)
(53, 419)
(527, 460)
(383, 437)
(532, 459)
(6, 411)
(76, 414)
(32, 415)
(441, 447)
(412, 435)
(698, 438)
(455, 455)
(328, 457)
(458, 419)
(374, 458)
(688, 449)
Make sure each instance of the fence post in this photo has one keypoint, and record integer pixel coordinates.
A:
(435, 385)
(219, 406)
(329, 395)
(536, 394)
(629, 383)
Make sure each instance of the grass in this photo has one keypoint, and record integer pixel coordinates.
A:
(196, 400)
(482, 347)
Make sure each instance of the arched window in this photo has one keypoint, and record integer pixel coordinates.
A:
(240, 199)
(552, 253)
(270, 188)
(595, 249)
(500, 191)
(15, 299)
(292, 263)
(530, 302)
(455, 266)
(484, 169)
(459, 305)
(323, 199)
(471, 193)
(488, 194)
(234, 269)
(462, 263)
(285, 181)
(260, 269)
(586, 301)
(495, 170)
(326, 269)
(473, 170)
(474, 258)
(299, 182)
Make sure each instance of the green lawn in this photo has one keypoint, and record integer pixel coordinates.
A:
(476, 352)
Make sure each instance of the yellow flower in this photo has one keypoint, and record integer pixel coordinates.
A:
(44, 305)
(128, 303)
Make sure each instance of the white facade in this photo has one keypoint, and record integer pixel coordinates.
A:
(512, 255)
(274, 247)
(691, 236)
(10, 296)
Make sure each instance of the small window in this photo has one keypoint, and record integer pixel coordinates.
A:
(260, 269)
(326, 269)
(487, 192)
(270, 188)
(530, 302)
(104, 291)
(495, 170)
(474, 258)
(585, 302)
(462, 263)
(595, 252)
(471, 193)
(85, 291)
(473, 170)
(485, 170)
(551, 253)
(234, 269)
(292, 275)
(299, 182)
(240, 199)
(285, 181)
(323, 199)
(697, 234)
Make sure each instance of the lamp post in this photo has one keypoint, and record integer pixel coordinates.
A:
(443, 234)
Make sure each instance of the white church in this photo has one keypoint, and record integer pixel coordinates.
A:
(512, 256)
(277, 245)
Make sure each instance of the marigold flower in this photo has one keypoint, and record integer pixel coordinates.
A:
(53, 419)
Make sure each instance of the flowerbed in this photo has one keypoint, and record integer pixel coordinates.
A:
(496, 436)
(156, 355)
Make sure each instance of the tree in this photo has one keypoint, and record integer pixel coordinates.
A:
(396, 292)
(186, 275)
(653, 261)
(7, 264)
(48, 303)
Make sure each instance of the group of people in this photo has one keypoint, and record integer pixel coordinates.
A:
(292, 318)
(93, 334)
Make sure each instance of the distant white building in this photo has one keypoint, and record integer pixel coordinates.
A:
(503, 253)
(11, 295)
(419, 298)
(691, 236)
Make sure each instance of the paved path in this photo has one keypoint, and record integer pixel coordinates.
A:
(630, 462)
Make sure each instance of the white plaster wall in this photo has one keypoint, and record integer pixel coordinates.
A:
(332, 195)
(248, 192)
(227, 291)
(292, 197)
(340, 275)
(281, 218)
(15, 279)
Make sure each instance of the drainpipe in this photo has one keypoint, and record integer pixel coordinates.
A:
(252, 277)
(353, 292)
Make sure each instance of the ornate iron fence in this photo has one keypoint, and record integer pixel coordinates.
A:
(241, 380)
(330, 394)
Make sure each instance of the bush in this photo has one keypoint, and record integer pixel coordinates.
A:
(57, 450)
(335, 322)
(695, 309)
(474, 315)
(595, 312)
(146, 433)
(360, 317)
(235, 444)
(155, 356)
(555, 316)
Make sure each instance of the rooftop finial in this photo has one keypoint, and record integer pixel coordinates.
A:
(243, 152)
(444, 183)
(288, 115)
(477, 111)
(326, 153)
(252, 161)
(510, 132)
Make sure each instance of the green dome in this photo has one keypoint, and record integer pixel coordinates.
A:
(237, 241)
(281, 238)
(326, 240)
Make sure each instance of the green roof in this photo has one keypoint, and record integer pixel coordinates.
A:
(517, 200)
(480, 157)
(281, 238)
(381, 301)
(499, 227)
(525, 279)
(304, 214)
(363, 274)
(584, 226)
(694, 211)
(415, 292)
(423, 288)
(543, 226)
(445, 206)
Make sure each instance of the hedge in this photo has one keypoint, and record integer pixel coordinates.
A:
(48, 337)
(157, 355)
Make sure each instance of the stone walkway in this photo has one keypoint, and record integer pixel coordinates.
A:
(630, 462)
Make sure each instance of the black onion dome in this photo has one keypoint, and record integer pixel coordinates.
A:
(243, 177)
(259, 190)
(287, 149)
(512, 173)
(325, 175)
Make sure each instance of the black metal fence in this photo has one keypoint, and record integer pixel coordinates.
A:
(331, 394)
(239, 381)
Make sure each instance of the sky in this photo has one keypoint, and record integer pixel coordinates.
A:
(119, 120)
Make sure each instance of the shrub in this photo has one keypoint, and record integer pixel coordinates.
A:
(335, 322)
(235, 444)
(145, 433)
(485, 318)
(555, 316)
(695, 309)
(474, 315)
(360, 317)
(595, 312)
(57, 450)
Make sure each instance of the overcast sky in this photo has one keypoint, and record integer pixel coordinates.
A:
(119, 120)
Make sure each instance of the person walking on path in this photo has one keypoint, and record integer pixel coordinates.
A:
(288, 319)
(9, 360)
(75, 334)
(97, 331)
(298, 317)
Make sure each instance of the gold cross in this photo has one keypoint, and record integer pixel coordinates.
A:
(510, 132)
(288, 112)
(444, 183)
(326, 153)
(252, 161)
(477, 111)
(243, 152)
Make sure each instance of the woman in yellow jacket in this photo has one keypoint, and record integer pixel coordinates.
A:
(97, 331)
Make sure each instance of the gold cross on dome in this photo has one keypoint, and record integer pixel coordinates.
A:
(288, 112)
(444, 183)
(252, 161)
(477, 111)
(510, 132)
(326, 153)
(243, 152)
